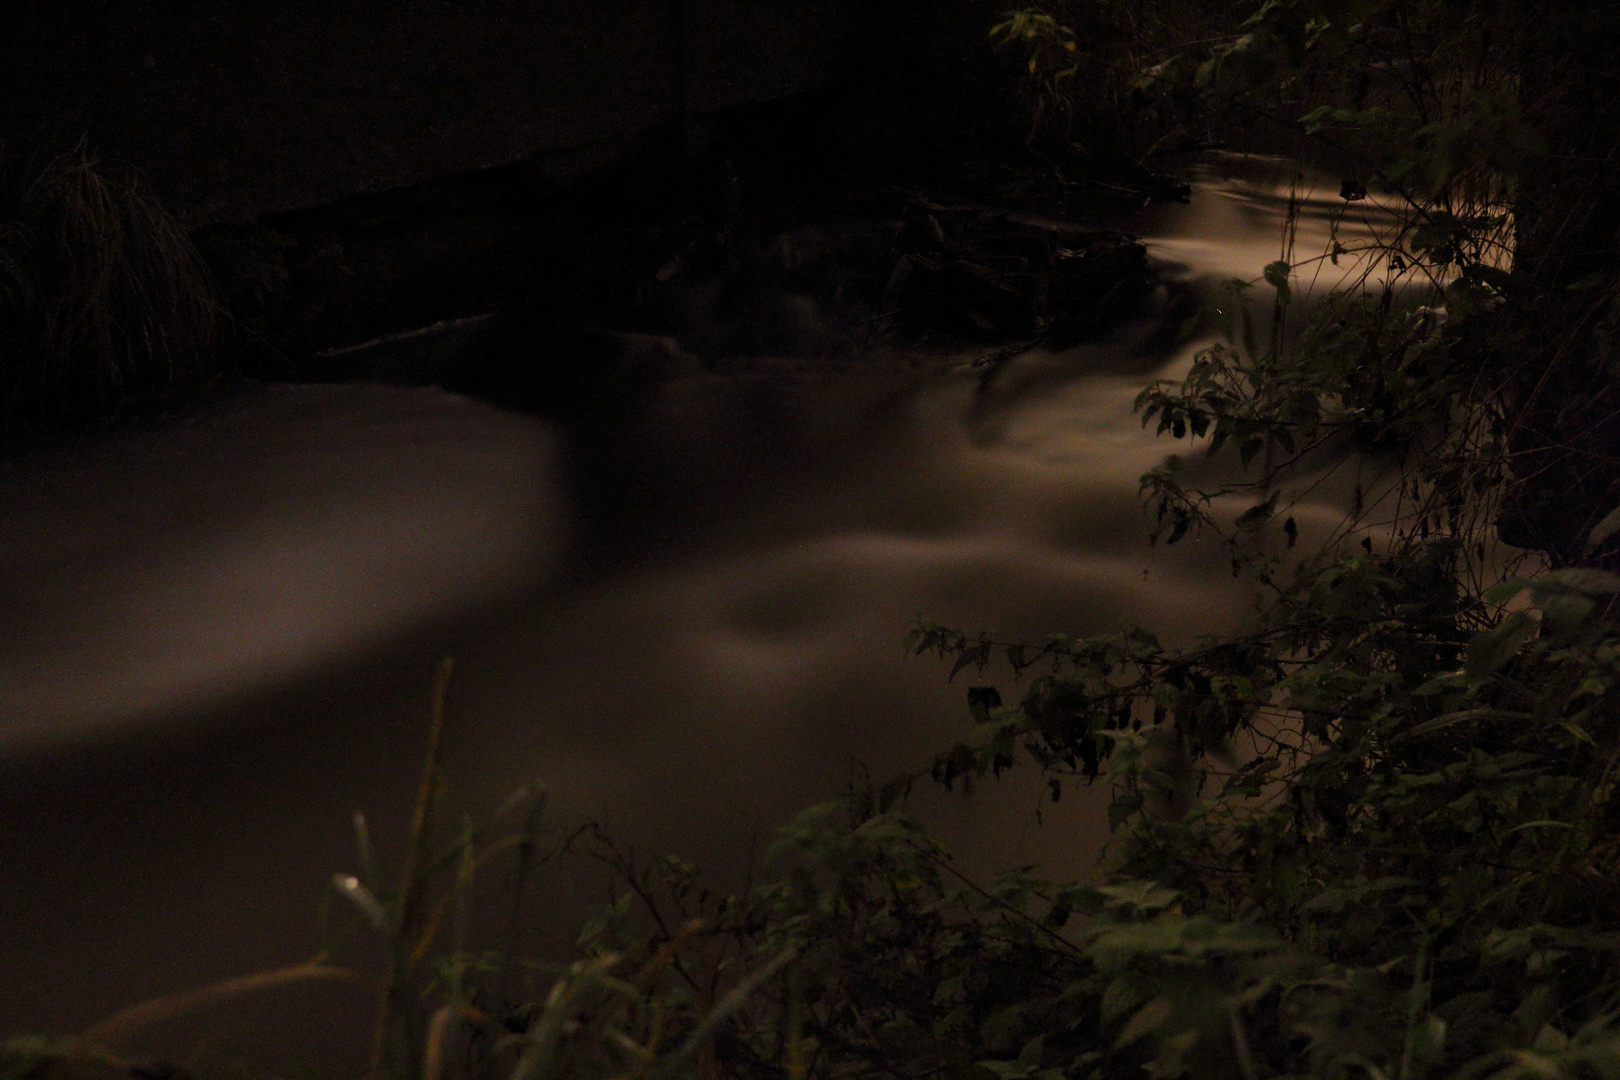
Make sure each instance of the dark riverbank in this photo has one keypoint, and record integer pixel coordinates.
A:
(780, 197)
(232, 110)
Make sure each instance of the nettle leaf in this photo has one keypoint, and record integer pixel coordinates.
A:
(1138, 897)
(1426, 1042)
(1325, 116)
(1249, 448)
(1507, 590)
(1490, 650)
(1258, 515)
(1577, 579)
(1565, 613)
(1604, 529)
(1328, 902)
(1181, 522)
(1492, 277)
(1121, 997)
(975, 656)
(1148, 1019)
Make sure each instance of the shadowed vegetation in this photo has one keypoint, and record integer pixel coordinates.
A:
(102, 295)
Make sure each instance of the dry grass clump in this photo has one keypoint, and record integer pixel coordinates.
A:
(645, 1001)
(102, 294)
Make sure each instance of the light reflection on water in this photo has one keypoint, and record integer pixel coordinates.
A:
(162, 571)
(222, 628)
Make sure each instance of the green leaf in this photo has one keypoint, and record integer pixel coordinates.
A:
(1440, 723)
(1604, 529)
(1565, 613)
(1577, 579)
(1118, 999)
(1329, 901)
(1425, 1042)
(1493, 278)
(1495, 647)
(1148, 1019)
(1139, 897)
(1258, 515)
(1507, 590)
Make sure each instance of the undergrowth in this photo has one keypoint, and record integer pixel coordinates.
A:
(102, 295)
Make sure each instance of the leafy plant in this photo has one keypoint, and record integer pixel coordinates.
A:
(1106, 77)
(1383, 817)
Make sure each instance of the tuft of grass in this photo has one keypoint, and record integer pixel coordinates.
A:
(639, 1004)
(102, 294)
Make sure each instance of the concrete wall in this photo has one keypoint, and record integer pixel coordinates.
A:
(238, 107)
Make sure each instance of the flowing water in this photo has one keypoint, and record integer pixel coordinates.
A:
(221, 625)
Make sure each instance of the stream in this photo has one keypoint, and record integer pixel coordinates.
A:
(222, 626)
